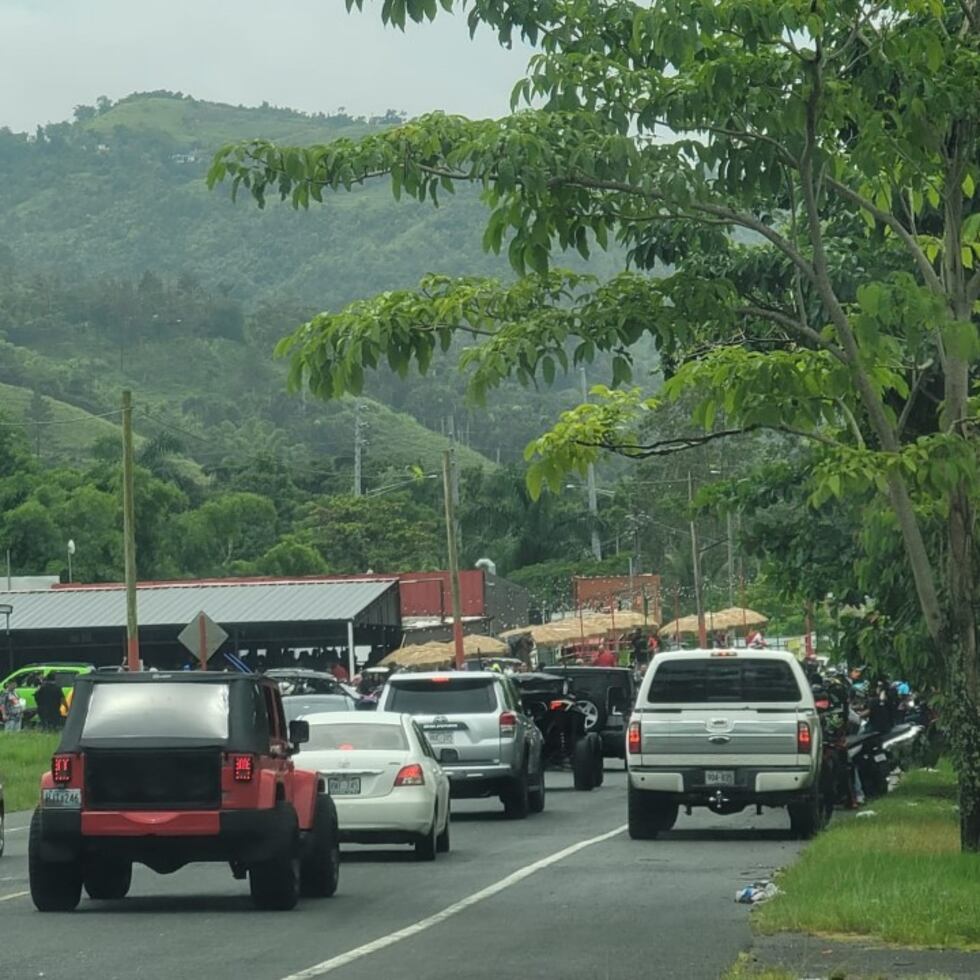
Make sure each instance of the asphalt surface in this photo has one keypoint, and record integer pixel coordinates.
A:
(564, 894)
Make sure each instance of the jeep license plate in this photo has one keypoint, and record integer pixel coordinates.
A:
(62, 799)
(719, 777)
(439, 738)
(344, 785)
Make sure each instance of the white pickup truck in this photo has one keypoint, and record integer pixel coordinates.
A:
(724, 729)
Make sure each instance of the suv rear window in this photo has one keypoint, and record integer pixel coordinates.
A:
(723, 679)
(164, 710)
(456, 696)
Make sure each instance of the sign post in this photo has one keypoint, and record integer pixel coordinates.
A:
(202, 636)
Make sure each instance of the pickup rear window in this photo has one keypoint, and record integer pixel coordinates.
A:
(723, 679)
(456, 696)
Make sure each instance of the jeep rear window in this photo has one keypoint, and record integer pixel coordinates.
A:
(456, 696)
(723, 680)
(158, 710)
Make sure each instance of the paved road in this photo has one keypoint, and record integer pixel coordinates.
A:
(561, 895)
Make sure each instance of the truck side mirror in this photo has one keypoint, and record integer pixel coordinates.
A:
(299, 732)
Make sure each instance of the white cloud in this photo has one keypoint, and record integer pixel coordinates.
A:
(306, 54)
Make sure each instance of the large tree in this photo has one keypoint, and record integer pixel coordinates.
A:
(807, 171)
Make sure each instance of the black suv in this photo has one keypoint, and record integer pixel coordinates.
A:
(167, 769)
(606, 695)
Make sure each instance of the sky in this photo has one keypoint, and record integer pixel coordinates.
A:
(305, 54)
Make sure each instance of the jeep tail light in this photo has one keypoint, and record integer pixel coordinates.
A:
(61, 769)
(243, 768)
(410, 776)
(633, 738)
(558, 705)
(508, 724)
(822, 704)
(804, 738)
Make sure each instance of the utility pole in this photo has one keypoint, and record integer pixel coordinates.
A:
(731, 558)
(698, 599)
(453, 557)
(454, 481)
(129, 534)
(593, 497)
(358, 447)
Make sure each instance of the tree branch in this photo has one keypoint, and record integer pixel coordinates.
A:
(796, 327)
(932, 280)
(715, 210)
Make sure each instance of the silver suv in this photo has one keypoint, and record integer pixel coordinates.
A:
(483, 739)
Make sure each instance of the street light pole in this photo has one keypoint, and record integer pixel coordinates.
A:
(5, 610)
(453, 558)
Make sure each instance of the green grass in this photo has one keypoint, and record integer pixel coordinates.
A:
(897, 876)
(745, 969)
(23, 757)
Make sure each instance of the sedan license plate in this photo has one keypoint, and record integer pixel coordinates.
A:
(62, 799)
(439, 738)
(344, 785)
(719, 777)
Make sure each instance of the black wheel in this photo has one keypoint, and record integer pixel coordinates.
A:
(517, 798)
(648, 813)
(109, 880)
(56, 886)
(600, 762)
(536, 796)
(595, 715)
(319, 872)
(806, 818)
(442, 841)
(427, 846)
(274, 884)
(583, 763)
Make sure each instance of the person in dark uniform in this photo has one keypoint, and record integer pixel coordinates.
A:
(49, 699)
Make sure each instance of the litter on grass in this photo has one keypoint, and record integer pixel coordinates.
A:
(758, 891)
(867, 813)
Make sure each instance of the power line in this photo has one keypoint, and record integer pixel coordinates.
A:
(71, 421)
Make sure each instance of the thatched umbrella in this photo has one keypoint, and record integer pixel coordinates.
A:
(476, 644)
(735, 618)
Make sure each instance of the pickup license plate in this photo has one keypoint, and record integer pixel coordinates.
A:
(62, 799)
(719, 777)
(344, 785)
(439, 738)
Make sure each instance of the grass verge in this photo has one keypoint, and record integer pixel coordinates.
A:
(897, 875)
(23, 757)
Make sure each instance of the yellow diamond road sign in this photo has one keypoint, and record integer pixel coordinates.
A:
(202, 636)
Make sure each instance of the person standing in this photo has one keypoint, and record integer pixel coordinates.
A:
(50, 699)
(11, 708)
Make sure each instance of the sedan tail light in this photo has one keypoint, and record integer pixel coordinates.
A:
(508, 724)
(804, 737)
(411, 775)
(243, 768)
(633, 738)
(61, 769)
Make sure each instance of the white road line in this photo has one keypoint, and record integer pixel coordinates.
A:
(15, 830)
(336, 962)
(7, 898)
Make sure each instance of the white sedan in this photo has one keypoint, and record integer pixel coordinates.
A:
(383, 777)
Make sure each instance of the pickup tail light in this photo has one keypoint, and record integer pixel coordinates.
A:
(633, 738)
(243, 768)
(804, 737)
(411, 775)
(61, 769)
(508, 724)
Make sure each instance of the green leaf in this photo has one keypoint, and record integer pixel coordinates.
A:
(969, 187)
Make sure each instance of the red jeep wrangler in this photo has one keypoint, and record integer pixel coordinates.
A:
(166, 769)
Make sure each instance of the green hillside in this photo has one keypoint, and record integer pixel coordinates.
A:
(67, 433)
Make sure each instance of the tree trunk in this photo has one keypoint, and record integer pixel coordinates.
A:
(963, 707)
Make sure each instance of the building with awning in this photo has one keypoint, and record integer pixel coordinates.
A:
(269, 622)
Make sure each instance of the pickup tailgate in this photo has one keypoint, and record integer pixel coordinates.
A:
(718, 735)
